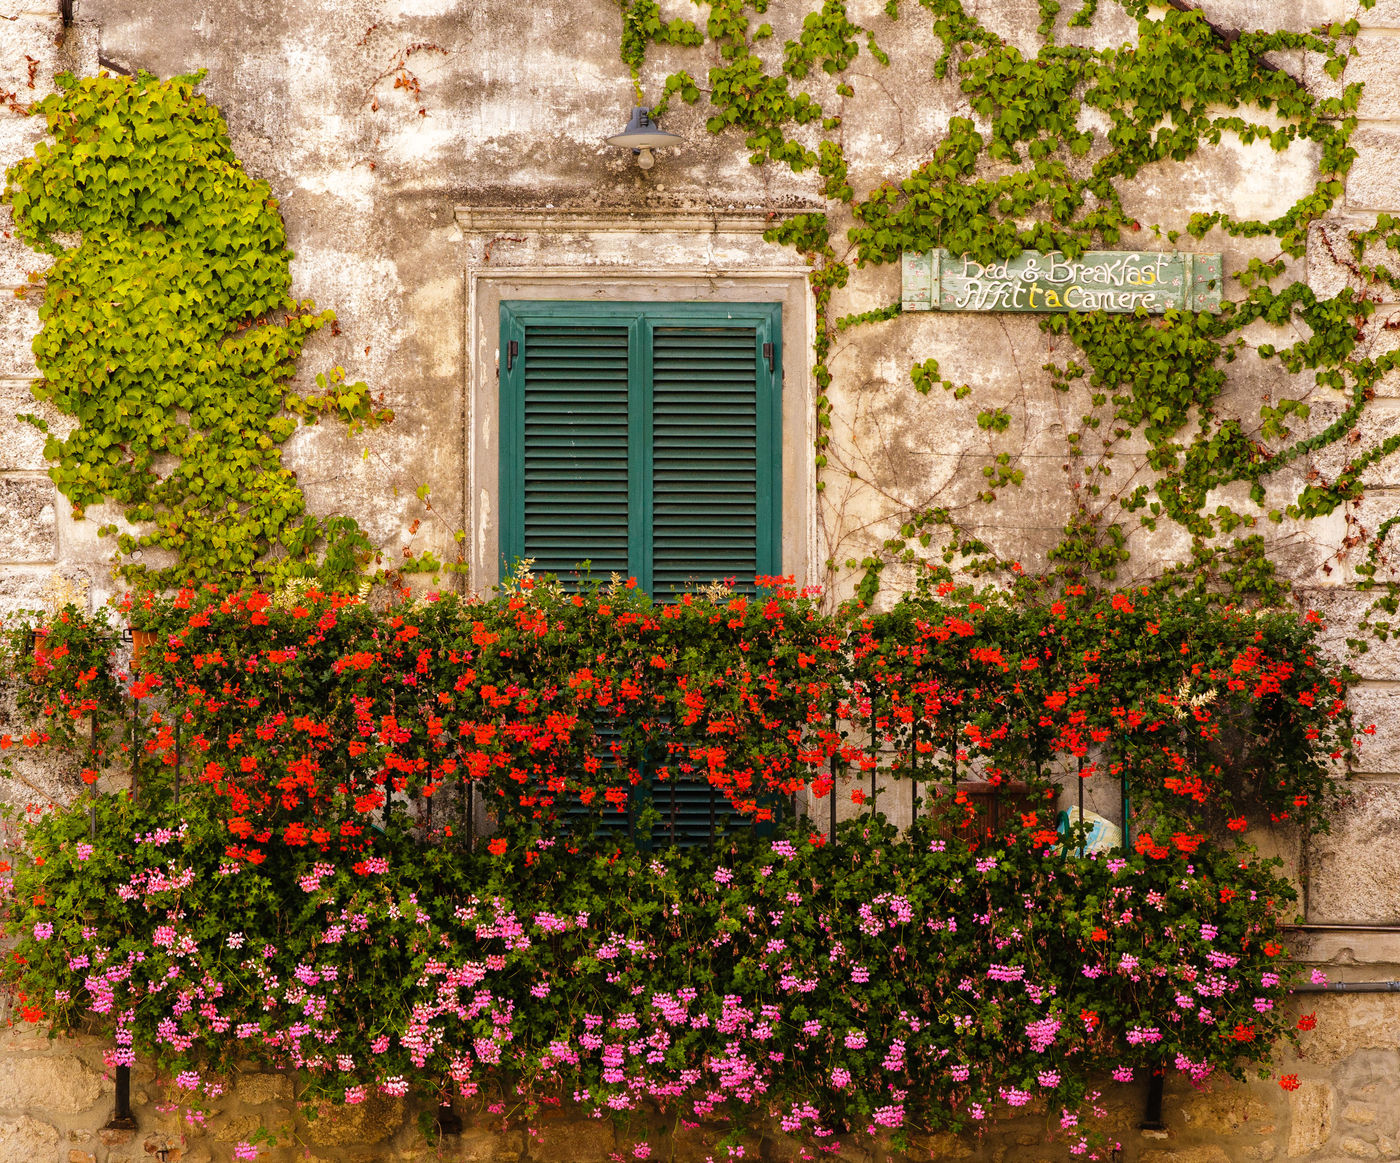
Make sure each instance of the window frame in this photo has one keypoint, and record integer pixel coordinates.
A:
(641, 318)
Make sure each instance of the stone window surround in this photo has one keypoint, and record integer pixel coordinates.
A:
(561, 255)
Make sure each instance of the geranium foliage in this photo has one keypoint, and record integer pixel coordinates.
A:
(299, 876)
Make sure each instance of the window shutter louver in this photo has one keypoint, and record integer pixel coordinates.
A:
(690, 812)
(575, 449)
(704, 457)
(642, 438)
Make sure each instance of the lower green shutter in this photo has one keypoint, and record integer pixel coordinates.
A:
(644, 439)
(689, 812)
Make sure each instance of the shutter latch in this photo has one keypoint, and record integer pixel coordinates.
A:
(513, 349)
(768, 355)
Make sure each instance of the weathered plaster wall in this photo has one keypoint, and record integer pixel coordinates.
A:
(382, 188)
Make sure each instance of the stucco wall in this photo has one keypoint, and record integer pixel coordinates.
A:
(409, 210)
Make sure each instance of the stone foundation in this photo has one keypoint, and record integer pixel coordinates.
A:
(55, 1103)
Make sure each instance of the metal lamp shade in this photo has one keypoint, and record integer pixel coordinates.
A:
(643, 133)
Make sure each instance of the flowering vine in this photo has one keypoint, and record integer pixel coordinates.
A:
(303, 832)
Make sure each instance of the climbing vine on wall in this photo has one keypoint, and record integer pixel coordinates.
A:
(169, 337)
(1042, 161)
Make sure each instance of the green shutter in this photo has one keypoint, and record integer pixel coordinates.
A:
(704, 490)
(568, 500)
(644, 438)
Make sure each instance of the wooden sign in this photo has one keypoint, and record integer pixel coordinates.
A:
(1098, 280)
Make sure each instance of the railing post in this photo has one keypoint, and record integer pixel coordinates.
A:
(122, 1118)
(914, 770)
(1126, 807)
(135, 743)
(1081, 805)
(92, 798)
(832, 767)
(874, 755)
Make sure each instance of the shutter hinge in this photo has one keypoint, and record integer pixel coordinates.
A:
(512, 350)
(768, 355)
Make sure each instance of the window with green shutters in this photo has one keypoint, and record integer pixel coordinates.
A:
(642, 438)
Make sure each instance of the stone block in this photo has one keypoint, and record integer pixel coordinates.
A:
(77, 1155)
(1377, 66)
(1374, 180)
(1016, 22)
(1386, 14)
(1342, 610)
(16, 258)
(572, 1142)
(21, 444)
(19, 324)
(1263, 182)
(473, 1146)
(1347, 536)
(31, 51)
(32, 777)
(27, 520)
(1383, 336)
(9, 9)
(335, 478)
(1378, 422)
(1379, 707)
(1332, 264)
(1309, 1118)
(1355, 869)
(235, 1129)
(60, 1085)
(1224, 1112)
(369, 1122)
(1206, 1154)
(257, 1089)
(1359, 1114)
(27, 1140)
(22, 1035)
(1268, 15)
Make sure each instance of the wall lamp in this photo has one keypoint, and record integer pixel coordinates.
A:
(643, 135)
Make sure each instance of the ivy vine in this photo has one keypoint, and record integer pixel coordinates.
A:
(170, 337)
(1026, 173)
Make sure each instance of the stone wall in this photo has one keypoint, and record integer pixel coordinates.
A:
(55, 1104)
(409, 209)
